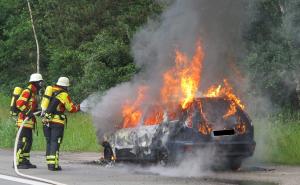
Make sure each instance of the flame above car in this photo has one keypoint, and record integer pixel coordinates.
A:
(180, 86)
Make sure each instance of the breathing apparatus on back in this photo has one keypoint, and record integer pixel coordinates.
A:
(46, 99)
(49, 101)
(14, 111)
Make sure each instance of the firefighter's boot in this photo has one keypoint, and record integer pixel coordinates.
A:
(53, 164)
(22, 165)
(28, 163)
(26, 160)
(53, 167)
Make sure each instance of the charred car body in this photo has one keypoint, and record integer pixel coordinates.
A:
(205, 124)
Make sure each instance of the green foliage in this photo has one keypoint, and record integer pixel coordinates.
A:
(16, 49)
(71, 66)
(109, 63)
(269, 61)
(86, 40)
(291, 30)
(89, 41)
(7, 125)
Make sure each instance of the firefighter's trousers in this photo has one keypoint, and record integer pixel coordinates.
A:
(54, 135)
(24, 145)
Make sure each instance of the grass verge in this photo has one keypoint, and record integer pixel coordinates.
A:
(79, 134)
(278, 141)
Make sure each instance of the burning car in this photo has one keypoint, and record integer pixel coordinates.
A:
(182, 118)
(205, 123)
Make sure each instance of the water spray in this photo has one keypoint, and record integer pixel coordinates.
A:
(85, 107)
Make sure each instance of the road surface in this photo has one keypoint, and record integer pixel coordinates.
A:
(77, 170)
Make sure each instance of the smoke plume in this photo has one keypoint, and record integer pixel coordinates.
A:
(217, 24)
(192, 165)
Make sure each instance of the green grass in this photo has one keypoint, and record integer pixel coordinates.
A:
(278, 141)
(7, 125)
(79, 134)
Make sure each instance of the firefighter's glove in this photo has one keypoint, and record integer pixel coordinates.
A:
(78, 107)
(45, 121)
(48, 116)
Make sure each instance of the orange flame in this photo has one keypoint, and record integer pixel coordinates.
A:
(154, 116)
(182, 81)
(204, 127)
(213, 91)
(231, 110)
(180, 86)
(131, 112)
(226, 92)
(230, 94)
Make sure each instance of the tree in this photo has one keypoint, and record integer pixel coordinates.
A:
(86, 40)
(269, 60)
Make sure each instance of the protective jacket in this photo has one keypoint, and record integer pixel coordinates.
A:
(26, 103)
(65, 103)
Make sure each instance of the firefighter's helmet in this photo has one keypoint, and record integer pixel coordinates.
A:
(63, 81)
(36, 77)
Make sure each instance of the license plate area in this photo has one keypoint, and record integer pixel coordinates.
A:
(228, 132)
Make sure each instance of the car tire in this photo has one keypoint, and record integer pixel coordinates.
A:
(234, 164)
(107, 151)
(163, 157)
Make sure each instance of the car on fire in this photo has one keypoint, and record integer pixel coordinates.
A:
(206, 124)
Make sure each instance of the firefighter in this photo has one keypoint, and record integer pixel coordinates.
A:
(27, 104)
(55, 120)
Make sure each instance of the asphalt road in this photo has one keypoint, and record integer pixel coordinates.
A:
(78, 170)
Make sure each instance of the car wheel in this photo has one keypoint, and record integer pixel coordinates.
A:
(108, 152)
(163, 157)
(235, 164)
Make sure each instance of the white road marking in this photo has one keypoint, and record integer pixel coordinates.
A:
(20, 180)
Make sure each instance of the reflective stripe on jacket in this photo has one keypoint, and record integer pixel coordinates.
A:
(65, 103)
(26, 103)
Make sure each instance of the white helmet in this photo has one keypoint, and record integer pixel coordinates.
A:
(63, 81)
(36, 77)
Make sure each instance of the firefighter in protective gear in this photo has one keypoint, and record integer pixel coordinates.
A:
(55, 120)
(27, 104)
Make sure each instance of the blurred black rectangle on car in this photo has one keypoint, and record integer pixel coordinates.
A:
(223, 132)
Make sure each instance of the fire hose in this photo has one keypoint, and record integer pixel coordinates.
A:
(15, 158)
